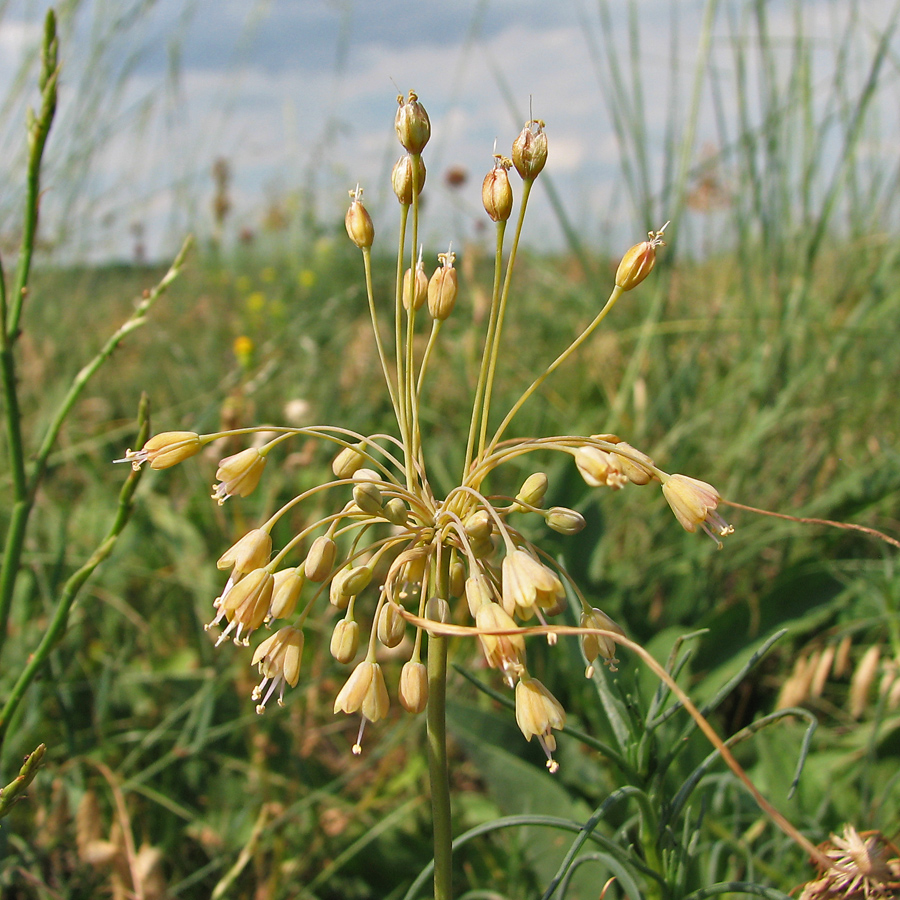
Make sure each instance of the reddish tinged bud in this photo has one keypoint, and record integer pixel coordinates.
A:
(442, 287)
(638, 262)
(496, 194)
(412, 124)
(359, 222)
(529, 150)
(408, 170)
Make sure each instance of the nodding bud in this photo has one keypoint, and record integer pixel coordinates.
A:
(638, 262)
(529, 150)
(391, 626)
(348, 461)
(565, 521)
(442, 287)
(368, 498)
(496, 194)
(412, 123)
(457, 578)
(413, 689)
(359, 222)
(395, 511)
(533, 489)
(320, 558)
(478, 525)
(418, 290)
(408, 178)
(345, 640)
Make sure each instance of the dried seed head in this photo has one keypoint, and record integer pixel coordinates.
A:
(537, 712)
(418, 290)
(359, 224)
(412, 123)
(345, 640)
(164, 450)
(408, 174)
(533, 489)
(348, 461)
(285, 593)
(250, 552)
(637, 263)
(413, 689)
(496, 193)
(565, 521)
(320, 559)
(442, 287)
(529, 150)
(239, 474)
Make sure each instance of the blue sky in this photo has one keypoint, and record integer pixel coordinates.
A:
(296, 93)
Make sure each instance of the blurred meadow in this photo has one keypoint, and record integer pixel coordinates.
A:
(761, 356)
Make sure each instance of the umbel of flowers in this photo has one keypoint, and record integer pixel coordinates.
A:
(395, 556)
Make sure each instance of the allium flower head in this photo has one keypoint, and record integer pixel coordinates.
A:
(537, 713)
(694, 503)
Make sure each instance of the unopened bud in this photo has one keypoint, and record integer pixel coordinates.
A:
(391, 626)
(437, 609)
(533, 490)
(529, 150)
(368, 498)
(320, 558)
(348, 583)
(442, 287)
(496, 194)
(285, 592)
(418, 290)
(636, 473)
(638, 262)
(479, 525)
(359, 222)
(395, 511)
(457, 578)
(412, 123)
(565, 521)
(408, 174)
(348, 461)
(345, 640)
(366, 475)
(413, 689)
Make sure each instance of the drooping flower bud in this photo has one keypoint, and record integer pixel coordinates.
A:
(320, 558)
(391, 626)
(164, 450)
(634, 471)
(345, 640)
(533, 489)
(396, 511)
(442, 287)
(285, 593)
(419, 290)
(368, 498)
(479, 524)
(496, 193)
(358, 221)
(457, 578)
(413, 689)
(529, 150)
(348, 461)
(638, 262)
(412, 123)
(408, 171)
(347, 583)
(249, 553)
(564, 520)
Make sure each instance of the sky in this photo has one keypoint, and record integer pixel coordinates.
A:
(299, 97)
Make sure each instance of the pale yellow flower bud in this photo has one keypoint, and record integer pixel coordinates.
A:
(634, 471)
(320, 559)
(502, 651)
(496, 193)
(537, 712)
(285, 593)
(442, 287)
(391, 625)
(595, 645)
(457, 578)
(694, 503)
(437, 609)
(368, 498)
(638, 262)
(479, 525)
(533, 489)
(413, 689)
(239, 474)
(529, 150)
(599, 468)
(565, 521)
(251, 552)
(345, 640)
(164, 450)
(412, 124)
(478, 593)
(278, 658)
(418, 290)
(358, 222)
(363, 475)
(396, 511)
(406, 170)
(347, 583)
(348, 461)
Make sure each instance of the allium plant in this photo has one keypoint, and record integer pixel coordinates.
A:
(422, 561)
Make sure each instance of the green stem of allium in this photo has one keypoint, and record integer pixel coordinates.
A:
(613, 297)
(435, 715)
(478, 414)
(649, 830)
(370, 294)
(15, 537)
(57, 627)
(415, 439)
(398, 314)
(429, 347)
(495, 345)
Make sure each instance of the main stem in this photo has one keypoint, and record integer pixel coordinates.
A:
(435, 717)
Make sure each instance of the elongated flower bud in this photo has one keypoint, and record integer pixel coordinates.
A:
(345, 640)
(320, 558)
(285, 593)
(359, 222)
(408, 172)
(529, 150)
(533, 490)
(412, 123)
(638, 262)
(249, 553)
(496, 193)
(442, 287)
(348, 461)
(565, 521)
(418, 291)
(413, 689)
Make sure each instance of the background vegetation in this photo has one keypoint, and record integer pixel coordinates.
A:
(761, 356)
